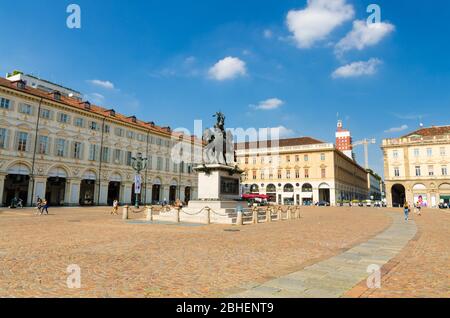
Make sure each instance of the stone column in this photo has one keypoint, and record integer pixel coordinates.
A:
(40, 185)
(315, 197)
(182, 189)
(103, 193)
(2, 187)
(74, 199)
(165, 192)
(148, 195)
(127, 190)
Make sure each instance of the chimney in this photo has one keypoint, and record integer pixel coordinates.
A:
(87, 105)
(133, 118)
(21, 84)
(112, 112)
(57, 95)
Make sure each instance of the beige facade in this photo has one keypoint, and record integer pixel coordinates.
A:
(416, 167)
(301, 171)
(77, 153)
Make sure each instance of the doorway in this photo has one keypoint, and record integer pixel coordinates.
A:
(56, 188)
(16, 186)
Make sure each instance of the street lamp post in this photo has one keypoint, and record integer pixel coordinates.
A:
(138, 164)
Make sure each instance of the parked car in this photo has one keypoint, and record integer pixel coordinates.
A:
(323, 203)
(443, 205)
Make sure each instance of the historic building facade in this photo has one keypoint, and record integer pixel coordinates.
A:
(300, 171)
(416, 167)
(74, 153)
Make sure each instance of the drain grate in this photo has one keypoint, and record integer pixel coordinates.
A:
(232, 230)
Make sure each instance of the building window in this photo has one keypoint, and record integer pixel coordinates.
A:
(442, 151)
(270, 159)
(79, 122)
(167, 164)
(279, 174)
(306, 173)
(246, 160)
(5, 103)
(106, 129)
(254, 160)
(263, 175)
(254, 174)
(117, 156)
(397, 171)
(105, 154)
(118, 132)
(306, 157)
(297, 174)
(3, 138)
(130, 134)
(60, 147)
(129, 156)
(93, 125)
(297, 158)
(77, 150)
(324, 172)
(93, 152)
(22, 141)
(322, 156)
(43, 145)
(444, 170)
(429, 152)
(45, 113)
(262, 160)
(175, 168)
(416, 152)
(430, 171)
(25, 109)
(270, 174)
(288, 158)
(159, 164)
(418, 172)
(63, 118)
(288, 174)
(395, 154)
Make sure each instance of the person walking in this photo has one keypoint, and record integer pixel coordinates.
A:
(406, 210)
(44, 206)
(419, 209)
(115, 208)
(38, 205)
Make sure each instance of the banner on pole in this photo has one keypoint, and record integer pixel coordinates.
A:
(137, 184)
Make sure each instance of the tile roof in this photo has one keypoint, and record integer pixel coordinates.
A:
(430, 131)
(301, 141)
(104, 112)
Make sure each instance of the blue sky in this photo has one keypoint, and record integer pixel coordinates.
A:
(264, 63)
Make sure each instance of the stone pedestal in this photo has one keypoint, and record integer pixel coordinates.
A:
(218, 190)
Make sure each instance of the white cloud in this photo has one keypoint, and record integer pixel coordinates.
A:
(275, 133)
(317, 20)
(268, 34)
(227, 69)
(396, 129)
(363, 35)
(356, 69)
(96, 98)
(269, 104)
(102, 84)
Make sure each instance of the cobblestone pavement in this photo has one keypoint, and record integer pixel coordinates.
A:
(124, 259)
(422, 269)
(333, 277)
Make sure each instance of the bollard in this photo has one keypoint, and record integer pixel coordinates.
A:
(255, 216)
(125, 213)
(298, 213)
(269, 215)
(239, 219)
(177, 215)
(208, 215)
(279, 214)
(149, 214)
